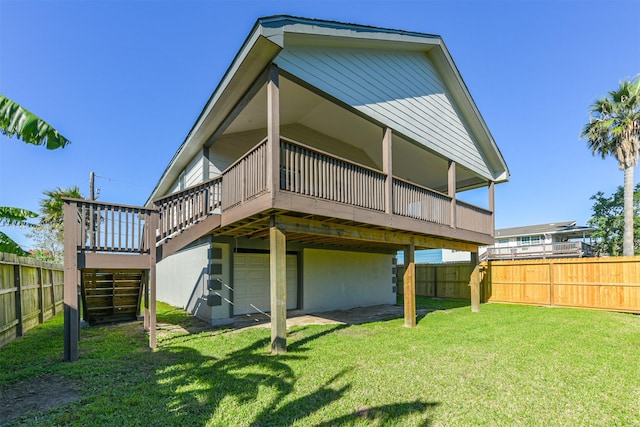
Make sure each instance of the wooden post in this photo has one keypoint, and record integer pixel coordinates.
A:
(40, 294)
(273, 130)
(71, 323)
(153, 226)
(145, 296)
(474, 282)
(53, 293)
(492, 207)
(551, 284)
(278, 289)
(409, 286)
(451, 191)
(17, 283)
(387, 169)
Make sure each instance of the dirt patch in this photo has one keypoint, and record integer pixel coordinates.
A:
(34, 395)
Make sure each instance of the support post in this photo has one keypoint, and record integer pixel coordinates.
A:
(145, 297)
(278, 289)
(71, 322)
(451, 191)
(151, 230)
(492, 207)
(409, 286)
(387, 169)
(474, 283)
(273, 130)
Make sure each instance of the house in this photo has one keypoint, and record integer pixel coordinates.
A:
(555, 240)
(325, 149)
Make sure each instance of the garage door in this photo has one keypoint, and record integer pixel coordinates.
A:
(251, 283)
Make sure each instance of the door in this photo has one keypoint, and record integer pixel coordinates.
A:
(251, 283)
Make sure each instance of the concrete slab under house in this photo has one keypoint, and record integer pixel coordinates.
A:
(325, 149)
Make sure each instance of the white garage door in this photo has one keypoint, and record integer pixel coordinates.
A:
(251, 283)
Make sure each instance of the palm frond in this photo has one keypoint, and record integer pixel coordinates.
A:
(17, 121)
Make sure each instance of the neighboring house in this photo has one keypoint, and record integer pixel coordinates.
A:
(555, 240)
(325, 149)
(438, 256)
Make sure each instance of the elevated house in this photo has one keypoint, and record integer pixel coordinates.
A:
(554, 240)
(325, 149)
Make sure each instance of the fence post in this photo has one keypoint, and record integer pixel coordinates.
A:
(53, 294)
(41, 294)
(551, 284)
(17, 283)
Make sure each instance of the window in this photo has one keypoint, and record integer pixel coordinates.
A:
(530, 240)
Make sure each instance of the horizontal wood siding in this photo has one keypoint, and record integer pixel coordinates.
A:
(417, 202)
(403, 90)
(474, 218)
(312, 173)
(39, 294)
(602, 283)
(181, 210)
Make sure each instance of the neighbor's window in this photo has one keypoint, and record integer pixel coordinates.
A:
(530, 240)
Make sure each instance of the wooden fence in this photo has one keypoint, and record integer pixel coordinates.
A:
(600, 283)
(30, 293)
(440, 280)
(596, 283)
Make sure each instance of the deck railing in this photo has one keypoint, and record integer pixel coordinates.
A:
(246, 178)
(541, 250)
(421, 203)
(305, 170)
(185, 208)
(311, 172)
(108, 227)
(473, 218)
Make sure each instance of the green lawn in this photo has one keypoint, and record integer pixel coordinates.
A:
(507, 365)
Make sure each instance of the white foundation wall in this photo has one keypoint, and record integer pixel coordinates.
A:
(335, 280)
(181, 280)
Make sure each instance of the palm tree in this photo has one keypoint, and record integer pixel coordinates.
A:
(52, 208)
(18, 121)
(614, 130)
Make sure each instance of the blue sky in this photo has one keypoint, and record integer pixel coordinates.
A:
(125, 81)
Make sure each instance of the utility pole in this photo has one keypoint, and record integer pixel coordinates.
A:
(92, 190)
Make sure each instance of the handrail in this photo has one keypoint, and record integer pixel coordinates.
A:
(430, 190)
(333, 156)
(311, 172)
(111, 227)
(187, 207)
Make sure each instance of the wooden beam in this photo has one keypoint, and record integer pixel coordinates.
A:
(71, 322)
(278, 289)
(391, 237)
(474, 282)
(273, 130)
(112, 261)
(387, 169)
(409, 286)
(451, 190)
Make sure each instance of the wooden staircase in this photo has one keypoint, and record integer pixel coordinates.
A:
(111, 295)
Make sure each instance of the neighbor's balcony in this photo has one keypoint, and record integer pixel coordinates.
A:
(317, 175)
(543, 250)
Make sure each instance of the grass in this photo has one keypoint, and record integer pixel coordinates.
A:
(507, 365)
